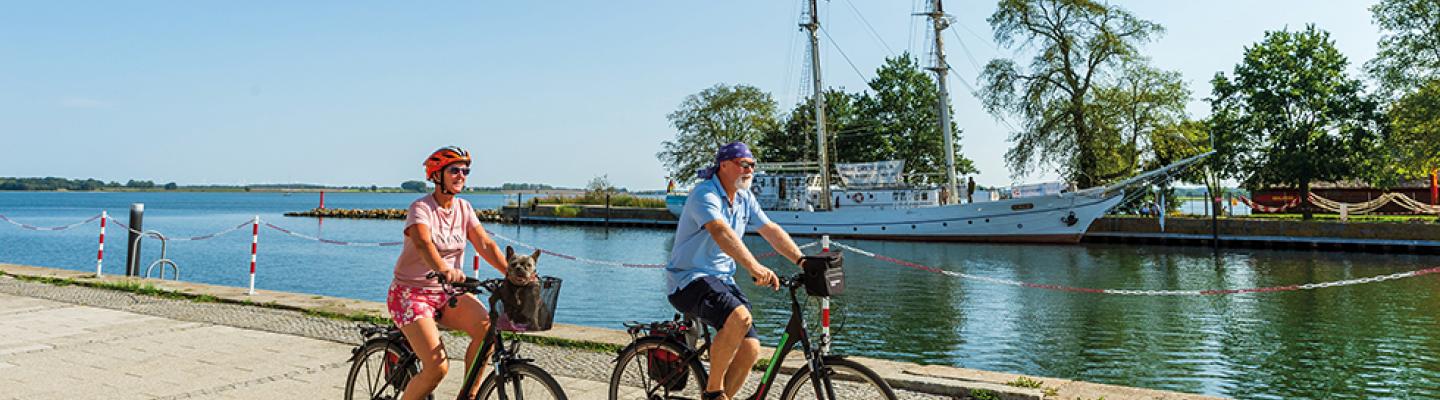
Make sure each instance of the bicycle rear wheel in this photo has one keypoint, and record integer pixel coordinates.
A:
(640, 369)
(849, 379)
(525, 381)
(376, 372)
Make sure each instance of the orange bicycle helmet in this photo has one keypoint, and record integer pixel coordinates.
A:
(441, 158)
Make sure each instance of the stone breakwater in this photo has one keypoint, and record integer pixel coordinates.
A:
(383, 213)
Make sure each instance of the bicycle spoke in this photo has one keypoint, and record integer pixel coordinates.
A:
(379, 376)
(842, 381)
(637, 379)
(521, 385)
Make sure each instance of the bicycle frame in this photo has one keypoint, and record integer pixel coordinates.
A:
(501, 357)
(795, 334)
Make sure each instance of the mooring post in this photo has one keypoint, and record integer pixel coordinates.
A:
(519, 208)
(824, 305)
(607, 211)
(132, 247)
(1215, 221)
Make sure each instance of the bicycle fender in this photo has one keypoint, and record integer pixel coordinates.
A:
(645, 340)
(355, 352)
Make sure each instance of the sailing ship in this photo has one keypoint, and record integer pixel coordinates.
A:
(873, 201)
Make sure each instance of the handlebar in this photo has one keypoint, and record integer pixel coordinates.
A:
(789, 282)
(470, 285)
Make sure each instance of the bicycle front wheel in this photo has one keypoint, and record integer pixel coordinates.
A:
(847, 379)
(525, 381)
(376, 371)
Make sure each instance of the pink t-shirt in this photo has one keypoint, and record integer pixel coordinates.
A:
(447, 232)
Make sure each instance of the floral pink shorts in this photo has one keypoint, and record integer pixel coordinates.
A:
(408, 304)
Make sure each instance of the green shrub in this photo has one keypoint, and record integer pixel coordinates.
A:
(598, 199)
(1025, 383)
(567, 211)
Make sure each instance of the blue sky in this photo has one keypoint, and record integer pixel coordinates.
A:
(358, 93)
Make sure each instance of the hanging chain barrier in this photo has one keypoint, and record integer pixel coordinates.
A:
(1137, 292)
(48, 228)
(256, 222)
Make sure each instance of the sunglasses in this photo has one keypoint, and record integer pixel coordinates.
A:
(458, 170)
(745, 164)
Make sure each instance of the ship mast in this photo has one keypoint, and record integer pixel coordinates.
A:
(813, 25)
(941, 68)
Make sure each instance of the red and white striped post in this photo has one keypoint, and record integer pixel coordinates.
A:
(254, 245)
(825, 306)
(476, 264)
(100, 254)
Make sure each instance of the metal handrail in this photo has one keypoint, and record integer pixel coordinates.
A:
(163, 261)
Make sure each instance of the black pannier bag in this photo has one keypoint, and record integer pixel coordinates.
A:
(662, 363)
(823, 274)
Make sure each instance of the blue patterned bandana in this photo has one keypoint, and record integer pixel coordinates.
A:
(728, 152)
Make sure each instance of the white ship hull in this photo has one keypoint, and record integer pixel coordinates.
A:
(1042, 219)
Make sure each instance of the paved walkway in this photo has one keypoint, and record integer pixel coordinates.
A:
(54, 345)
(65, 342)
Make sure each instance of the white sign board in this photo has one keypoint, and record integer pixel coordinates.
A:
(871, 173)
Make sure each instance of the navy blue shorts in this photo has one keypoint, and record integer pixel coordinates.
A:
(711, 300)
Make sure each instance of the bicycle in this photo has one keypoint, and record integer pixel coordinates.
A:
(387, 361)
(661, 359)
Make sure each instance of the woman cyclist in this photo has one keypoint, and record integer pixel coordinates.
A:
(436, 229)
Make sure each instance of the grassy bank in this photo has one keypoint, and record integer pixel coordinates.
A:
(1422, 219)
(598, 199)
(1406, 219)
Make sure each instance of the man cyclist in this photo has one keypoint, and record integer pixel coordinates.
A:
(701, 269)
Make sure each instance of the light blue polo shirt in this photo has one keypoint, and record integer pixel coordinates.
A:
(695, 253)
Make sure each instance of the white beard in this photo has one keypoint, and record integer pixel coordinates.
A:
(743, 182)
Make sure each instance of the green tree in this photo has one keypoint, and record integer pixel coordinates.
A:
(1076, 44)
(1409, 47)
(600, 186)
(414, 186)
(171, 186)
(795, 141)
(1141, 101)
(1295, 115)
(1415, 130)
(709, 119)
(900, 120)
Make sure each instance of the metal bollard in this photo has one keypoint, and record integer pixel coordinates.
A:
(132, 256)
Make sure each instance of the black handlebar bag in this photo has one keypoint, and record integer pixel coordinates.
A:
(823, 274)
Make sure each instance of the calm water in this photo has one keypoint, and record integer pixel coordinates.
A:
(1369, 341)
